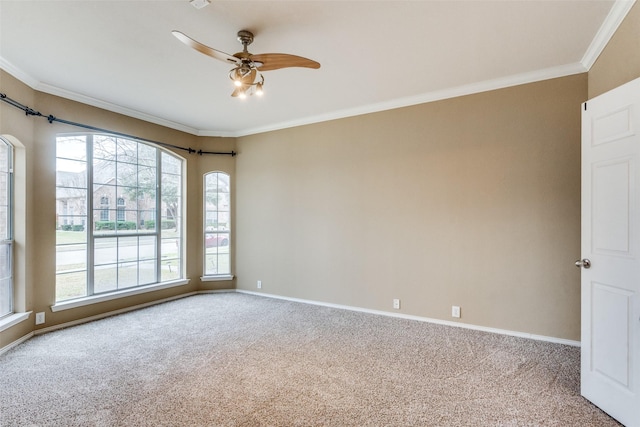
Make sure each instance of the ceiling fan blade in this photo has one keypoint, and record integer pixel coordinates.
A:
(275, 61)
(209, 51)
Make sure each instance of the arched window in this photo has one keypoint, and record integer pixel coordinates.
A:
(104, 208)
(137, 243)
(217, 224)
(120, 214)
(6, 228)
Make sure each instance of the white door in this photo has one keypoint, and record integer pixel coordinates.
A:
(610, 350)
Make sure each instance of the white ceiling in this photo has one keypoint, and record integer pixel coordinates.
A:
(375, 55)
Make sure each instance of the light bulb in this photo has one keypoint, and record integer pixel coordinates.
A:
(259, 90)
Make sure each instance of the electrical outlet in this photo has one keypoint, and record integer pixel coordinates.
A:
(259, 284)
(455, 311)
(396, 304)
(40, 318)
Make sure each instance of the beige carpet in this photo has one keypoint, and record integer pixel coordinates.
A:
(242, 360)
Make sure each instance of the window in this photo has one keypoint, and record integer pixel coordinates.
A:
(120, 212)
(104, 208)
(124, 248)
(6, 228)
(217, 224)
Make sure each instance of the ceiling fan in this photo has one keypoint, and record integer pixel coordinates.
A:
(247, 73)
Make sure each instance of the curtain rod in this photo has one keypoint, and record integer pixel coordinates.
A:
(31, 112)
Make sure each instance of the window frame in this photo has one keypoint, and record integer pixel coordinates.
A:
(94, 211)
(121, 214)
(207, 274)
(9, 238)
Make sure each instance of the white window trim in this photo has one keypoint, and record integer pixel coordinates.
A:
(13, 319)
(217, 278)
(10, 227)
(107, 296)
(95, 299)
(213, 277)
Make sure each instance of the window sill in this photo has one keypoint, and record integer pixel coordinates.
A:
(13, 320)
(81, 302)
(220, 278)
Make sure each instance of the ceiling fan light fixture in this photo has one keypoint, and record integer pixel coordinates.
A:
(237, 75)
(247, 80)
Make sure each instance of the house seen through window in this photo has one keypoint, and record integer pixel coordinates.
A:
(101, 246)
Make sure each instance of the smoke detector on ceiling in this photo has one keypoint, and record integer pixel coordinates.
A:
(199, 4)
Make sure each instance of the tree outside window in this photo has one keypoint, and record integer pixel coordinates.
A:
(127, 245)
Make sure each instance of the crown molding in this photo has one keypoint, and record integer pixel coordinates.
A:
(469, 89)
(18, 73)
(616, 15)
(37, 85)
(73, 96)
(608, 28)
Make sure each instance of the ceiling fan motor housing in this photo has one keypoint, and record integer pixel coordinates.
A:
(245, 37)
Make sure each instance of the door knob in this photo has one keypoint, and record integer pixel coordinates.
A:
(584, 263)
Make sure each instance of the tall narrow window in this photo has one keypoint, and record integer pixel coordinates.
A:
(104, 208)
(217, 224)
(131, 245)
(121, 216)
(6, 228)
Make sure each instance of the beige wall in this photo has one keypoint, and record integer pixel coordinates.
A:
(16, 127)
(472, 201)
(619, 63)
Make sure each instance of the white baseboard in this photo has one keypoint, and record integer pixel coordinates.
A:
(217, 291)
(421, 319)
(15, 343)
(304, 301)
(109, 314)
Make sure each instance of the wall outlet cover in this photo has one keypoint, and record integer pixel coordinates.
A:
(40, 318)
(455, 311)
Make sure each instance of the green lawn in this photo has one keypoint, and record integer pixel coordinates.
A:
(73, 284)
(69, 237)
